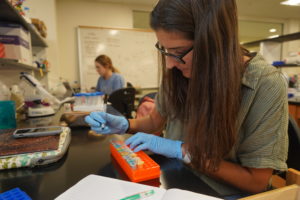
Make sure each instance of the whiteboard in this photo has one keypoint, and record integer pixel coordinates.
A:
(131, 51)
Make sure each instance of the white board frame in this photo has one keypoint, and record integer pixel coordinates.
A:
(141, 77)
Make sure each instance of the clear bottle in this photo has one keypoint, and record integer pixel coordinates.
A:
(100, 101)
(17, 96)
(4, 92)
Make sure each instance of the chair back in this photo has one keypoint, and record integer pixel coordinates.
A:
(150, 95)
(123, 101)
(128, 84)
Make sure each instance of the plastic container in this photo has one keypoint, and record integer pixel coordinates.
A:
(7, 114)
(14, 194)
(88, 102)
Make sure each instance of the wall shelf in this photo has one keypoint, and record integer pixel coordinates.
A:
(9, 14)
(14, 64)
(282, 38)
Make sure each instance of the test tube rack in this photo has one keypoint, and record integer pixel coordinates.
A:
(88, 102)
(137, 166)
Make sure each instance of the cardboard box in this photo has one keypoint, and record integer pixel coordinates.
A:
(291, 192)
(15, 43)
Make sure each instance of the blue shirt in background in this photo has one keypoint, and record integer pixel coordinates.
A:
(115, 82)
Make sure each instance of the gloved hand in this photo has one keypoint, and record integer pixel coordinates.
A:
(142, 141)
(102, 122)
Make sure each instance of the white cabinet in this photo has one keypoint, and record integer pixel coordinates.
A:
(10, 69)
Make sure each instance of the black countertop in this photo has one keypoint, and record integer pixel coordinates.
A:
(294, 101)
(90, 154)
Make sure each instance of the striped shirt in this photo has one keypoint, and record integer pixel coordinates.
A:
(262, 122)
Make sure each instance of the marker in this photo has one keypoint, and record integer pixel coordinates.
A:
(140, 195)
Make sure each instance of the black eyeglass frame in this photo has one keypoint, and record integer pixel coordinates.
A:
(177, 58)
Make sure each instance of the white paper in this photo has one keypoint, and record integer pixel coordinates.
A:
(95, 187)
(177, 194)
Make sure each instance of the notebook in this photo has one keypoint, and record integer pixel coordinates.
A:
(94, 187)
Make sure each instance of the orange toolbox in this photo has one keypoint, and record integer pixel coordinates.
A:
(137, 166)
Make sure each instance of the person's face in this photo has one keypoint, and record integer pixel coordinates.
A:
(176, 44)
(100, 69)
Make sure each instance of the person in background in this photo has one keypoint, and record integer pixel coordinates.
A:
(109, 80)
(225, 109)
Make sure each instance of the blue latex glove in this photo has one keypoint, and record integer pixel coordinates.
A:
(142, 141)
(102, 122)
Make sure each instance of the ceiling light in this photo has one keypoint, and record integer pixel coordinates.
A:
(272, 30)
(291, 2)
(273, 36)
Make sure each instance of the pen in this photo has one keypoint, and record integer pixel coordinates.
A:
(102, 125)
(140, 195)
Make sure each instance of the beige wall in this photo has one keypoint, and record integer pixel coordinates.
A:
(72, 13)
(291, 26)
(63, 16)
(45, 10)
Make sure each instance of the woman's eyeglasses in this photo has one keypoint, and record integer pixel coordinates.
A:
(178, 58)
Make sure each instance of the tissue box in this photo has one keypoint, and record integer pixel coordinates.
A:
(15, 43)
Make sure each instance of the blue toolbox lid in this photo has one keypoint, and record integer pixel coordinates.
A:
(14, 194)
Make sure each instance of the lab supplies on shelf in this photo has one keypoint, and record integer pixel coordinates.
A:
(16, 43)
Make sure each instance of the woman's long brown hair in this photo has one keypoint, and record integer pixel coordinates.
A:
(106, 62)
(208, 102)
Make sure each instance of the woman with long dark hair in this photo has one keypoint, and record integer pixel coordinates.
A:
(224, 109)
